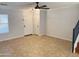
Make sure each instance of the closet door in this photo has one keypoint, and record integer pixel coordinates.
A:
(28, 21)
(36, 21)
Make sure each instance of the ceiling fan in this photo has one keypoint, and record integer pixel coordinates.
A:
(41, 7)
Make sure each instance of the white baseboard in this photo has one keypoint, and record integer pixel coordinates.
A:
(12, 38)
(59, 37)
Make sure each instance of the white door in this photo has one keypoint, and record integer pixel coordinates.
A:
(28, 21)
(37, 21)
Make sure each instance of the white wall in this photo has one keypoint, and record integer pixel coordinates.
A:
(43, 19)
(15, 24)
(61, 21)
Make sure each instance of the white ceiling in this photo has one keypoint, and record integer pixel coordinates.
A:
(15, 4)
(59, 4)
(28, 4)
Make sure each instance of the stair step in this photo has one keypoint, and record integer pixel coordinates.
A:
(78, 44)
(77, 48)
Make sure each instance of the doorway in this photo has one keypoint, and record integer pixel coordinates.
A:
(28, 21)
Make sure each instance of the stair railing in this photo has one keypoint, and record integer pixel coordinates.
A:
(75, 34)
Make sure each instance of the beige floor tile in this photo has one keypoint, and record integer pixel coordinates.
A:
(36, 46)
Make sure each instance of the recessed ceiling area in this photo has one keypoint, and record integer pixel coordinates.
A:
(59, 4)
(32, 4)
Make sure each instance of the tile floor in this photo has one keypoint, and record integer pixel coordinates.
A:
(36, 46)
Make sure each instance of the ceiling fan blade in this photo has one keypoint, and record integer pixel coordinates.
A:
(43, 6)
